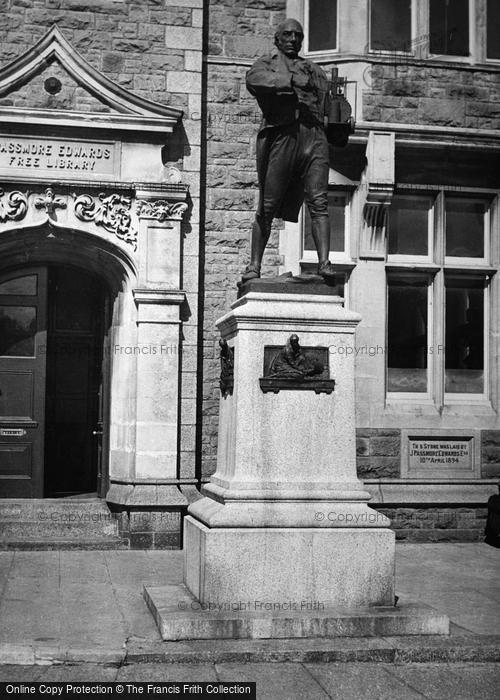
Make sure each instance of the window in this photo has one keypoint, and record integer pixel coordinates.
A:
(464, 324)
(410, 225)
(338, 215)
(493, 29)
(407, 335)
(390, 25)
(449, 27)
(437, 295)
(321, 25)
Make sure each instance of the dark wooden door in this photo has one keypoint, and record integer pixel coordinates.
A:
(74, 379)
(23, 354)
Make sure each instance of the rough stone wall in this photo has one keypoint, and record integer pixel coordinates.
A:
(125, 39)
(490, 454)
(154, 49)
(443, 524)
(378, 453)
(242, 31)
(418, 94)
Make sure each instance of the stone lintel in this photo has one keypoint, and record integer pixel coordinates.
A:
(159, 296)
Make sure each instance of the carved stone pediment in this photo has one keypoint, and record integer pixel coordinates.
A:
(52, 81)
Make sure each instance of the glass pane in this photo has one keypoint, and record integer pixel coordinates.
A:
(465, 227)
(336, 213)
(407, 337)
(449, 27)
(22, 286)
(390, 25)
(493, 29)
(17, 330)
(464, 358)
(322, 25)
(409, 225)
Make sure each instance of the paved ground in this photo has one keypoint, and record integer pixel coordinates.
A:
(287, 681)
(87, 607)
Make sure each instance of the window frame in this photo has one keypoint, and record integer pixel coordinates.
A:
(485, 57)
(336, 256)
(391, 52)
(320, 52)
(438, 269)
(414, 396)
(472, 37)
(420, 31)
(418, 259)
(463, 397)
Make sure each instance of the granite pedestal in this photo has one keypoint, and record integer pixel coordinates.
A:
(284, 524)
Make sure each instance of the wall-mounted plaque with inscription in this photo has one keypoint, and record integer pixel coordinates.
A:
(66, 158)
(439, 454)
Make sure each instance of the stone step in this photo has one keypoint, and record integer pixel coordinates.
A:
(58, 528)
(82, 522)
(31, 508)
(180, 616)
(61, 543)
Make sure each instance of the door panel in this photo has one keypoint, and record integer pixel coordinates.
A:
(74, 366)
(23, 338)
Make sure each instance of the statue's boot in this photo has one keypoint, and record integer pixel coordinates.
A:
(321, 237)
(251, 272)
(327, 271)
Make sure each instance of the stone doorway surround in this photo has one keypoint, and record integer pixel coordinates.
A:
(89, 188)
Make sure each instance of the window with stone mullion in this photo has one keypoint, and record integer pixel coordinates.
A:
(437, 300)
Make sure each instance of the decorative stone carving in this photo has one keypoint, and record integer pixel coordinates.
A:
(13, 206)
(160, 209)
(379, 182)
(296, 367)
(174, 176)
(50, 203)
(111, 211)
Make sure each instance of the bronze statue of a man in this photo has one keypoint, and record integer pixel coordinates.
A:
(292, 148)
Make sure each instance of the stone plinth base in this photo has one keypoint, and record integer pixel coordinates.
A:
(180, 616)
(331, 567)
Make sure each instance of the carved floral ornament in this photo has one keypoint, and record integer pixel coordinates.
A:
(113, 212)
(13, 206)
(160, 209)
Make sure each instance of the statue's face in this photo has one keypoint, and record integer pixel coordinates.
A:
(289, 38)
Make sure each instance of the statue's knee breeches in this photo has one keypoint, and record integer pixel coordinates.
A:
(317, 203)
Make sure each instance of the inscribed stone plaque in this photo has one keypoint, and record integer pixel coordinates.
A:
(64, 157)
(438, 453)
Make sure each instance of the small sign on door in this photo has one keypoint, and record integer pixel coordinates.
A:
(12, 432)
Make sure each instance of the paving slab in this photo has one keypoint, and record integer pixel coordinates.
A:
(87, 607)
(166, 673)
(443, 681)
(275, 681)
(355, 681)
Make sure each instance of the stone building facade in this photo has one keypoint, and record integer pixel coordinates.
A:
(159, 226)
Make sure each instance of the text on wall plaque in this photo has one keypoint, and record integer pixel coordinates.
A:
(430, 452)
(68, 156)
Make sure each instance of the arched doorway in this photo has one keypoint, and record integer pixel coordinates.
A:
(52, 384)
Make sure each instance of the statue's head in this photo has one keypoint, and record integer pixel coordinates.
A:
(289, 37)
(294, 342)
